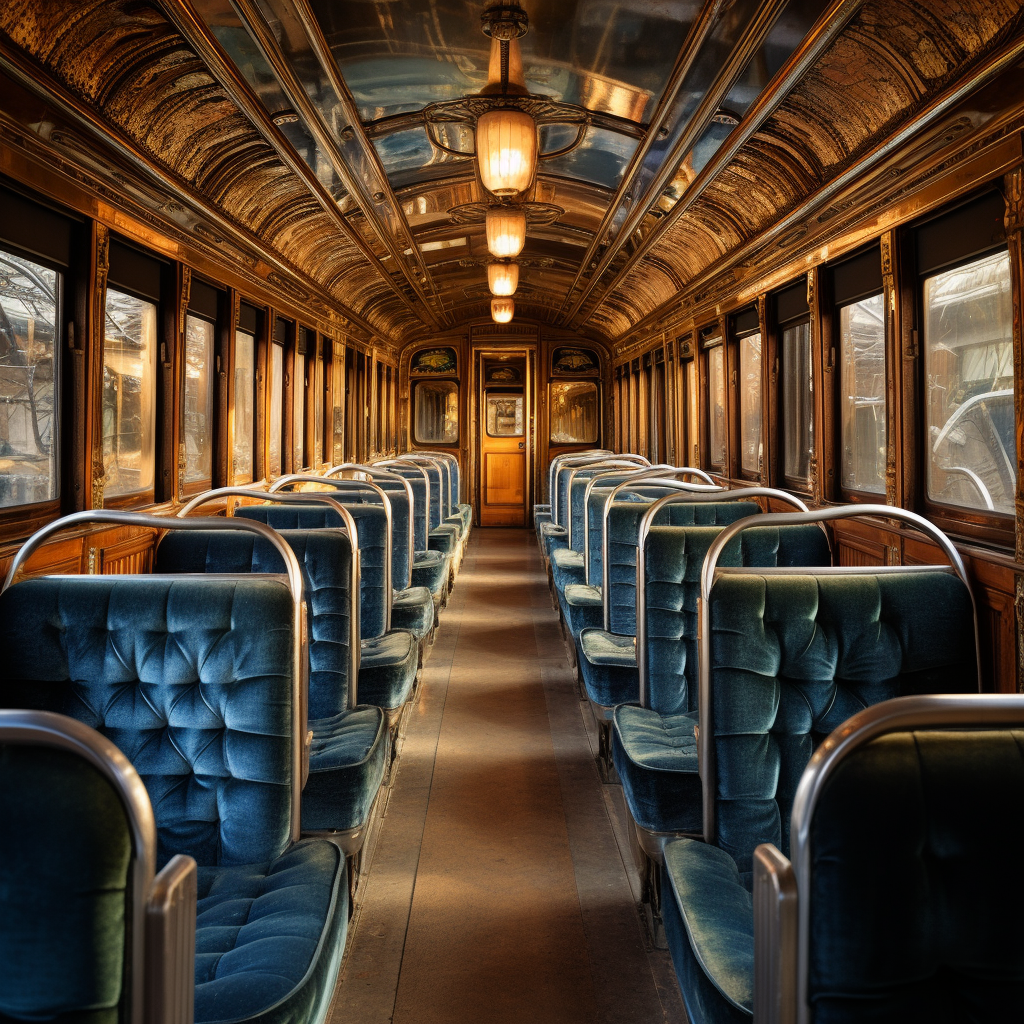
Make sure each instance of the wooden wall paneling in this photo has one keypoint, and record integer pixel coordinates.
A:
(99, 265)
(260, 427)
(767, 449)
(818, 377)
(857, 544)
(170, 448)
(828, 446)
(130, 555)
(1013, 190)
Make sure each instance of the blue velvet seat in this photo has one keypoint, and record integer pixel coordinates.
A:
(617, 682)
(193, 680)
(653, 747)
(791, 658)
(389, 658)
(907, 835)
(349, 750)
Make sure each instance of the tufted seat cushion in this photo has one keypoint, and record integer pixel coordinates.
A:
(387, 669)
(553, 537)
(413, 609)
(566, 567)
(655, 757)
(466, 513)
(430, 570)
(709, 924)
(346, 769)
(583, 607)
(443, 538)
(608, 667)
(269, 937)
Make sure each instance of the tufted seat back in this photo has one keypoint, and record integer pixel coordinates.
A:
(623, 530)
(437, 497)
(672, 567)
(915, 892)
(400, 512)
(66, 864)
(595, 517)
(191, 679)
(794, 656)
(419, 498)
(373, 540)
(324, 556)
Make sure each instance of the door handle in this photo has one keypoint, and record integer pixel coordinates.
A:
(522, 444)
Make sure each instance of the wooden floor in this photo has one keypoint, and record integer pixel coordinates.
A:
(500, 886)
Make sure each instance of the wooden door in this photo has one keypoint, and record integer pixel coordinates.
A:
(503, 453)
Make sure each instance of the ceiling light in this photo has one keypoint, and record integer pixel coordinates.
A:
(502, 310)
(503, 278)
(506, 151)
(506, 231)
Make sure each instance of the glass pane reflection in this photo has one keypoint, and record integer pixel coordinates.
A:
(574, 412)
(28, 318)
(716, 393)
(198, 413)
(437, 412)
(862, 394)
(242, 420)
(797, 404)
(276, 409)
(750, 403)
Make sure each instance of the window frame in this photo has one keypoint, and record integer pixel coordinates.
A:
(778, 327)
(187, 490)
(560, 445)
(737, 335)
(414, 432)
(712, 337)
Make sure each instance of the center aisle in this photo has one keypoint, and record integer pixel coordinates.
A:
(497, 891)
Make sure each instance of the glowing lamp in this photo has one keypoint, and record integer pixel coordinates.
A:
(506, 150)
(503, 278)
(506, 232)
(502, 310)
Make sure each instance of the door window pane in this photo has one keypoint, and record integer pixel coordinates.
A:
(299, 414)
(242, 422)
(797, 404)
(750, 403)
(862, 394)
(716, 404)
(198, 424)
(968, 364)
(437, 412)
(574, 413)
(505, 415)
(28, 438)
(276, 409)
(129, 394)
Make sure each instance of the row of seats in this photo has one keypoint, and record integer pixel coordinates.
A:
(216, 738)
(802, 748)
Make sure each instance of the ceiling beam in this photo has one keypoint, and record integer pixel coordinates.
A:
(353, 156)
(990, 68)
(29, 74)
(748, 44)
(185, 19)
(831, 23)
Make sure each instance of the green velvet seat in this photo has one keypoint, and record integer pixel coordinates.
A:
(192, 679)
(791, 658)
(348, 756)
(653, 747)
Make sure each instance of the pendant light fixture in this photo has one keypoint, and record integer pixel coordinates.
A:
(502, 309)
(505, 227)
(503, 278)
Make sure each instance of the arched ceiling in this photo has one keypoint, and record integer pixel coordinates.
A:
(292, 133)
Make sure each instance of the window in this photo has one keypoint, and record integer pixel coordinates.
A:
(574, 414)
(437, 412)
(750, 402)
(276, 409)
(129, 394)
(198, 412)
(299, 413)
(862, 395)
(242, 419)
(505, 415)
(659, 426)
(968, 373)
(716, 408)
(320, 454)
(29, 298)
(797, 405)
(692, 413)
(337, 416)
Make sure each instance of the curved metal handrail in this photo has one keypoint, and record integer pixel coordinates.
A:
(901, 714)
(355, 569)
(609, 464)
(426, 482)
(300, 659)
(705, 749)
(584, 462)
(383, 474)
(647, 522)
(435, 461)
(555, 463)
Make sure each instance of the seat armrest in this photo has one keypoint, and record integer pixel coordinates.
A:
(775, 937)
(171, 944)
(582, 595)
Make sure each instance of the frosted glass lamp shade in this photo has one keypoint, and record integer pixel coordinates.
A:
(506, 150)
(506, 232)
(502, 310)
(503, 278)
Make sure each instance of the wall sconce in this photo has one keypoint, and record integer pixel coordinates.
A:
(502, 310)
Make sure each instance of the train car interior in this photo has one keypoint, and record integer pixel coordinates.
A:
(511, 511)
